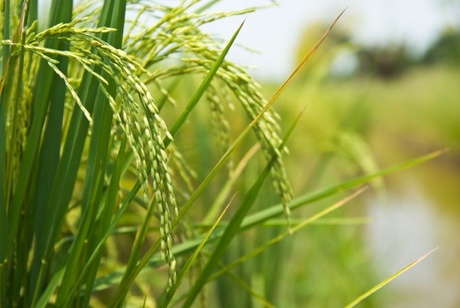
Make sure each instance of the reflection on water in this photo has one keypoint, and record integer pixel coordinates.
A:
(405, 227)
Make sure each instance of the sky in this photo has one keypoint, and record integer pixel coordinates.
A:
(275, 31)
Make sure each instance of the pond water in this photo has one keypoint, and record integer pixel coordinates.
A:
(406, 225)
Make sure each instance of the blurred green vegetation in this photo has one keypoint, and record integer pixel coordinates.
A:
(397, 118)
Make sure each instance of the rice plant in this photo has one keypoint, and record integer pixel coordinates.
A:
(97, 181)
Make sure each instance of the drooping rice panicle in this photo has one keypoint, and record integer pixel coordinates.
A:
(173, 36)
(138, 116)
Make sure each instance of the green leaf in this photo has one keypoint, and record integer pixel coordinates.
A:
(166, 298)
(388, 280)
(322, 193)
(202, 88)
(230, 231)
(294, 229)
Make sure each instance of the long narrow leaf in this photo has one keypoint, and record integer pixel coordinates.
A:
(166, 299)
(225, 190)
(304, 60)
(202, 88)
(293, 230)
(322, 193)
(388, 280)
(262, 300)
(227, 236)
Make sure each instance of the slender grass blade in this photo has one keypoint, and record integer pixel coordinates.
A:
(388, 280)
(166, 298)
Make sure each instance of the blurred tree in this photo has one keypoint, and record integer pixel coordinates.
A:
(446, 49)
(385, 62)
(338, 49)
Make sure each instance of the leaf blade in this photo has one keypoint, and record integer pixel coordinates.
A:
(388, 280)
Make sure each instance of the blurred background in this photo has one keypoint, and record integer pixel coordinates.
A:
(382, 89)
